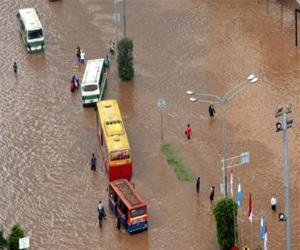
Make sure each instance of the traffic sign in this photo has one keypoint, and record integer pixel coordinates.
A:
(24, 243)
(116, 17)
(161, 103)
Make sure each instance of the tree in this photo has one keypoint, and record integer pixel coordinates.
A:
(16, 233)
(125, 59)
(226, 218)
(3, 241)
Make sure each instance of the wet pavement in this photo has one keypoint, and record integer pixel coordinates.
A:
(47, 138)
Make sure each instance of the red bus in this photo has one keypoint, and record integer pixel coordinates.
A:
(128, 205)
(113, 141)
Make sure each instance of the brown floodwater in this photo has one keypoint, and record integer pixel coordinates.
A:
(47, 138)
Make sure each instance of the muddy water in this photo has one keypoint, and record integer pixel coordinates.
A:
(47, 138)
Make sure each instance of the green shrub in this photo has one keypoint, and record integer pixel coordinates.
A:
(3, 241)
(125, 59)
(16, 233)
(226, 218)
(182, 172)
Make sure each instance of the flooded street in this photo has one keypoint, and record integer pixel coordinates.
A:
(47, 138)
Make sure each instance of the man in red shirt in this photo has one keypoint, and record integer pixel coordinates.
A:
(188, 132)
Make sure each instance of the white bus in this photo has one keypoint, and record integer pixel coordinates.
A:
(93, 82)
(31, 30)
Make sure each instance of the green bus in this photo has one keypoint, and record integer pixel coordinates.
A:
(31, 30)
(93, 82)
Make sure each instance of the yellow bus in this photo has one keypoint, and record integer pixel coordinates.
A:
(113, 141)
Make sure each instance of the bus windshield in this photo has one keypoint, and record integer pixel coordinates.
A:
(34, 34)
(120, 154)
(138, 211)
(90, 87)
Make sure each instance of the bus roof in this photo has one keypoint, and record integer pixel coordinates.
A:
(127, 193)
(93, 71)
(30, 19)
(112, 124)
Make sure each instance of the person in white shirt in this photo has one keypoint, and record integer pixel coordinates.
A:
(101, 210)
(273, 202)
(82, 57)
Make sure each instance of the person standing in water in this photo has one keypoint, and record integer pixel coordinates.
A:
(188, 132)
(212, 194)
(15, 67)
(198, 186)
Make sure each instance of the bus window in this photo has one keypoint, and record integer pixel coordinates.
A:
(90, 88)
(33, 34)
(119, 155)
(138, 211)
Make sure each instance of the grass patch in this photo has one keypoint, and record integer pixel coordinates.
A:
(182, 172)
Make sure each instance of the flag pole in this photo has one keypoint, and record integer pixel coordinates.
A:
(233, 210)
(234, 225)
(251, 236)
(262, 228)
(242, 227)
(250, 214)
(239, 199)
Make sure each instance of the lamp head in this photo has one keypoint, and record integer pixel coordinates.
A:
(278, 109)
(289, 121)
(193, 99)
(281, 217)
(289, 106)
(254, 80)
(190, 92)
(278, 126)
(251, 77)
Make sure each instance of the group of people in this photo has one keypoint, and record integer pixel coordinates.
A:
(80, 54)
(74, 84)
(211, 112)
(101, 210)
(212, 194)
(212, 190)
(112, 47)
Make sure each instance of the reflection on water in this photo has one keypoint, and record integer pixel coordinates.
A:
(47, 138)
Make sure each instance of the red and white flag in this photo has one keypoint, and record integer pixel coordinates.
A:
(250, 208)
(231, 183)
(266, 238)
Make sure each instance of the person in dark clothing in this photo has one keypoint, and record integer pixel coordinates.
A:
(106, 62)
(211, 110)
(15, 67)
(198, 186)
(212, 194)
(119, 223)
(93, 163)
(78, 52)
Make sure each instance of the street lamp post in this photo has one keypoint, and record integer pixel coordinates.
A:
(297, 10)
(117, 1)
(209, 98)
(287, 123)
